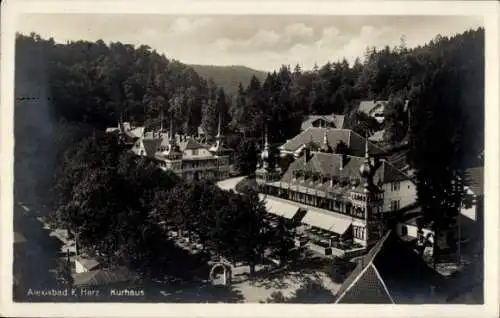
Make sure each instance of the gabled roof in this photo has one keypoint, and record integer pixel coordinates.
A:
(151, 146)
(353, 140)
(389, 273)
(474, 179)
(336, 120)
(135, 132)
(399, 160)
(190, 143)
(104, 277)
(328, 164)
(88, 263)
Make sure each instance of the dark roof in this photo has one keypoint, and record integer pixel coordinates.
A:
(328, 164)
(474, 179)
(398, 159)
(190, 143)
(104, 277)
(336, 120)
(370, 289)
(389, 273)
(151, 146)
(353, 140)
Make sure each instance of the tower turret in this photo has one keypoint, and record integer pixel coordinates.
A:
(367, 202)
(266, 154)
(173, 151)
(325, 146)
(221, 153)
(218, 147)
(268, 172)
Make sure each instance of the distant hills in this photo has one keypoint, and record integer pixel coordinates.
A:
(229, 77)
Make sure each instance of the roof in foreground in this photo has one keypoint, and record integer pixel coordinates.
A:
(390, 273)
(88, 263)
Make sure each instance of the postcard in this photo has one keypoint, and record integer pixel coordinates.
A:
(253, 158)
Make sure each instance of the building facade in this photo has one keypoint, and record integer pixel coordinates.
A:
(186, 156)
(338, 205)
(322, 161)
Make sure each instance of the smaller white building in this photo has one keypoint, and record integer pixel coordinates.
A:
(186, 156)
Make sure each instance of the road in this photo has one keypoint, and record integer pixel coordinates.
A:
(230, 184)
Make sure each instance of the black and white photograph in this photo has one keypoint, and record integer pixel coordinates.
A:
(240, 158)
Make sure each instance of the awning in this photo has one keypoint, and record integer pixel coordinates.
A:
(279, 207)
(340, 226)
(326, 221)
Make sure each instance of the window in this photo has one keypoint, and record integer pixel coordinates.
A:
(359, 232)
(358, 212)
(395, 205)
(395, 186)
(195, 152)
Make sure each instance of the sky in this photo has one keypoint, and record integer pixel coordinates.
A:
(260, 42)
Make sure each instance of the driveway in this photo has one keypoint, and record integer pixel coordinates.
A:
(230, 184)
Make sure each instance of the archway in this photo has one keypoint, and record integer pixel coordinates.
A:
(217, 278)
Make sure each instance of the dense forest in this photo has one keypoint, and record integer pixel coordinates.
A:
(95, 84)
(99, 83)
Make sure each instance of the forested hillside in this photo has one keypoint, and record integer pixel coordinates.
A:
(229, 77)
(96, 83)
